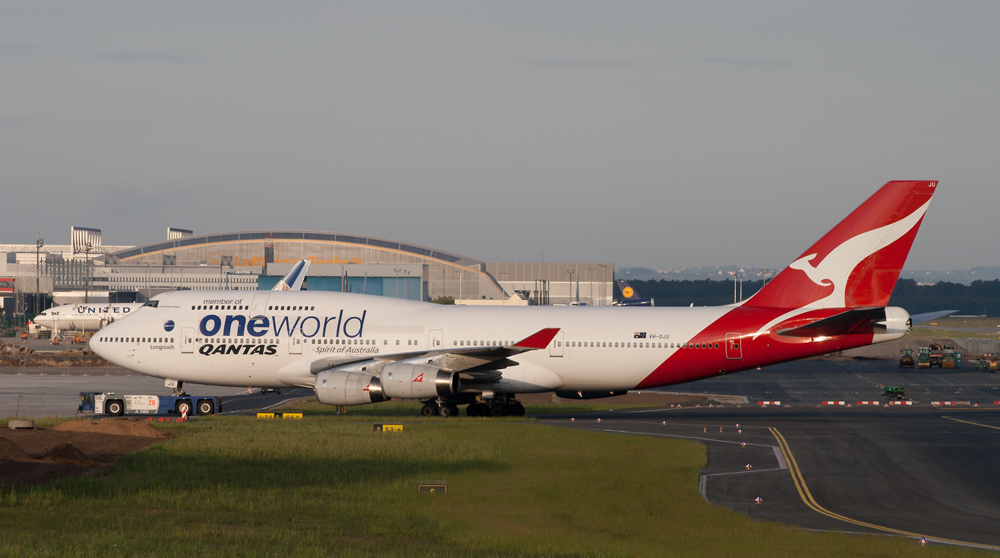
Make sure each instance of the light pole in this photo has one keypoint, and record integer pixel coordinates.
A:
(86, 277)
(570, 273)
(397, 282)
(461, 282)
(38, 271)
(603, 269)
(767, 273)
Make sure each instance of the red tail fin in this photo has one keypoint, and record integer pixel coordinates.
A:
(858, 262)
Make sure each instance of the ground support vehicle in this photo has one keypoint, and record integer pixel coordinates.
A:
(906, 358)
(923, 357)
(894, 392)
(936, 354)
(101, 403)
(948, 360)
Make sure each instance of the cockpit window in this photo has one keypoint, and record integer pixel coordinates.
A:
(152, 303)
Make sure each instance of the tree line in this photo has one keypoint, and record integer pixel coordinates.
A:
(981, 297)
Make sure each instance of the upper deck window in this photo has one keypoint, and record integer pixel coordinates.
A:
(151, 303)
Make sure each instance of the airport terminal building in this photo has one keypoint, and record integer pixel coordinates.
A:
(249, 260)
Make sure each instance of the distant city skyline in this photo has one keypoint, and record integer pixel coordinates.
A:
(635, 133)
(722, 273)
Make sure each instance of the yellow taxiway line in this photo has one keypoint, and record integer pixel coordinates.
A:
(973, 423)
(807, 497)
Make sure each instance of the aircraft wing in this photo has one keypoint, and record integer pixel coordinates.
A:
(292, 281)
(480, 363)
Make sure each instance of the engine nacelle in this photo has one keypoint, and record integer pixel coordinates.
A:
(417, 381)
(896, 324)
(337, 387)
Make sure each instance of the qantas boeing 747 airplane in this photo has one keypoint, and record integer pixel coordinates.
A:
(354, 349)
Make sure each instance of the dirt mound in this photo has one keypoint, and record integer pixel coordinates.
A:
(9, 451)
(66, 454)
(120, 427)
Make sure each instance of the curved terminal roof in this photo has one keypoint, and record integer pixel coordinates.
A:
(304, 236)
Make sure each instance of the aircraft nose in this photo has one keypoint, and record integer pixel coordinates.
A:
(100, 347)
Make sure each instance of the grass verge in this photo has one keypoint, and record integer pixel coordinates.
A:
(319, 487)
(939, 333)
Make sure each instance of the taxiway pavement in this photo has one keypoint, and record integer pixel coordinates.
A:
(909, 470)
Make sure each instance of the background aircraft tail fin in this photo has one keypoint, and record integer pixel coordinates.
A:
(292, 281)
(627, 291)
(856, 264)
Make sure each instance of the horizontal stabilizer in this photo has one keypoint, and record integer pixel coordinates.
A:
(928, 316)
(839, 324)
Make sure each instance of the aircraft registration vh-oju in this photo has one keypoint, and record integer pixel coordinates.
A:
(354, 349)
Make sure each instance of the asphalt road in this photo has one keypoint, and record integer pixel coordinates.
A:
(808, 382)
(55, 393)
(915, 471)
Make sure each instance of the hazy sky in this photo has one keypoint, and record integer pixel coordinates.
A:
(645, 134)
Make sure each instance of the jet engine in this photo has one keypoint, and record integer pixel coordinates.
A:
(417, 381)
(896, 325)
(337, 387)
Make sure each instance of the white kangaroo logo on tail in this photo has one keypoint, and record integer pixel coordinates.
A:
(837, 266)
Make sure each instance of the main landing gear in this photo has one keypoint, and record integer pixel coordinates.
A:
(499, 406)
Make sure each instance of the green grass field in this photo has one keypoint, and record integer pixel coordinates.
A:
(939, 333)
(326, 486)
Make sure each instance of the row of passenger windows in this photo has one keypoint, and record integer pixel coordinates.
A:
(246, 341)
(217, 281)
(627, 345)
(238, 307)
(641, 344)
(410, 342)
(136, 339)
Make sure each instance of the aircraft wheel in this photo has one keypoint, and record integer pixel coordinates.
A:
(448, 410)
(474, 410)
(496, 410)
(429, 410)
(516, 410)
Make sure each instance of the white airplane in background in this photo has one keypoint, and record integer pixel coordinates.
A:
(92, 317)
(354, 349)
(84, 317)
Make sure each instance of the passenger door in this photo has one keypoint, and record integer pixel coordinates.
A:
(733, 349)
(295, 343)
(556, 346)
(187, 340)
(259, 305)
(434, 340)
